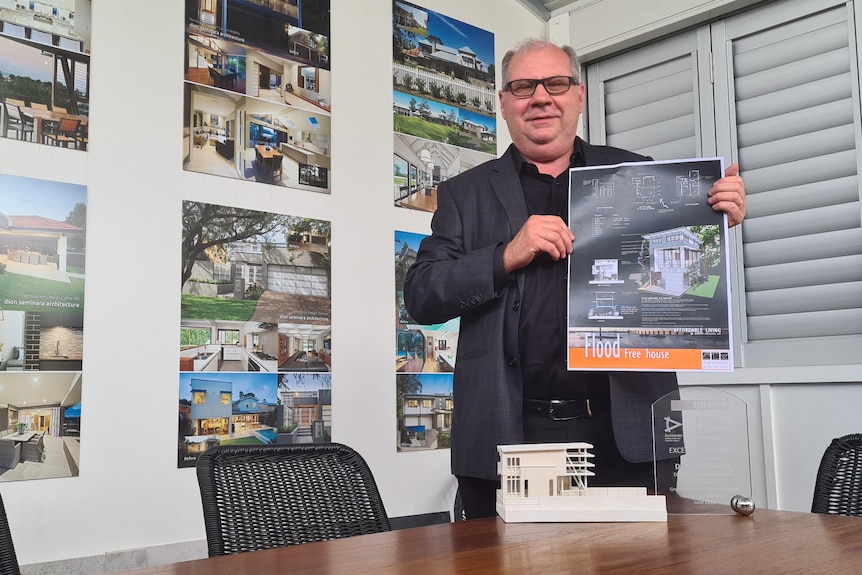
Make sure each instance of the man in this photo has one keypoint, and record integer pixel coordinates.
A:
(497, 258)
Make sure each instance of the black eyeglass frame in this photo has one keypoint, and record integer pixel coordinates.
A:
(535, 81)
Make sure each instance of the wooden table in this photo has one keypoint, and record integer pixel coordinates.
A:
(41, 116)
(267, 152)
(266, 159)
(765, 542)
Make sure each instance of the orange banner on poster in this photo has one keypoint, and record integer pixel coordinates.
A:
(638, 359)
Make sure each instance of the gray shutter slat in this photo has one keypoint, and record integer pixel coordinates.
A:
(649, 113)
(835, 296)
(787, 175)
(803, 223)
(659, 133)
(798, 122)
(803, 248)
(797, 274)
(802, 147)
(810, 324)
(795, 98)
(843, 190)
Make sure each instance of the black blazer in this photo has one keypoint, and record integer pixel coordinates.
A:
(453, 276)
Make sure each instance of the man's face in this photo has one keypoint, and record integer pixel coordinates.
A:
(543, 127)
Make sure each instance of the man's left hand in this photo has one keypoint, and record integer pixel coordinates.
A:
(728, 195)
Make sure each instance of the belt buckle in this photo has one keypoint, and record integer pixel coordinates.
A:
(555, 402)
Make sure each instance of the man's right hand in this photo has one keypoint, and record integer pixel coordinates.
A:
(540, 234)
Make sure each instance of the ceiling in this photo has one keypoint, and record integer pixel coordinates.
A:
(34, 389)
(544, 9)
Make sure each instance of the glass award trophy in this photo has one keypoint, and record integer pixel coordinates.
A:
(700, 447)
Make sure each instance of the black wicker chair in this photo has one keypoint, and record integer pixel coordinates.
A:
(838, 489)
(8, 560)
(259, 497)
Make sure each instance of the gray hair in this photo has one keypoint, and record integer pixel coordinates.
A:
(536, 44)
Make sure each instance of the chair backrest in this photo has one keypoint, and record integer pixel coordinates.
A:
(15, 102)
(68, 125)
(38, 106)
(13, 111)
(60, 110)
(838, 489)
(8, 560)
(260, 497)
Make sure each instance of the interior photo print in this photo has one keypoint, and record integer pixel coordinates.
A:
(257, 91)
(45, 72)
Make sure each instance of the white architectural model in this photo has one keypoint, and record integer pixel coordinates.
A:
(547, 482)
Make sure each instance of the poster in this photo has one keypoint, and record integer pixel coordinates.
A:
(649, 280)
(444, 102)
(45, 72)
(42, 275)
(255, 330)
(424, 365)
(257, 103)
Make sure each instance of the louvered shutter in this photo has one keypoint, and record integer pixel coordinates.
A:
(786, 107)
(787, 75)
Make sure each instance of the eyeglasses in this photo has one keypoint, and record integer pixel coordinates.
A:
(555, 85)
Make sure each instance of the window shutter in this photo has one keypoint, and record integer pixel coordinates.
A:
(650, 101)
(789, 74)
(786, 106)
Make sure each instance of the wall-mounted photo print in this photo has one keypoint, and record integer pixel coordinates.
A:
(42, 260)
(255, 291)
(225, 409)
(45, 72)
(258, 91)
(424, 411)
(444, 101)
(424, 364)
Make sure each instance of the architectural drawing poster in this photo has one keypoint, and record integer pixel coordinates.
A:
(444, 101)
(649, 278)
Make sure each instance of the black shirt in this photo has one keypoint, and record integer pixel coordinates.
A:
(543, 315)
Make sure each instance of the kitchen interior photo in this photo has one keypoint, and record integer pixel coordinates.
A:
(212, 345)
(54, 341)
(227, 133)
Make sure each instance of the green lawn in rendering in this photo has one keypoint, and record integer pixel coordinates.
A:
(706, 289)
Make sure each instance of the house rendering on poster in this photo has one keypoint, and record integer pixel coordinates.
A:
(547, 482)
(675, 260)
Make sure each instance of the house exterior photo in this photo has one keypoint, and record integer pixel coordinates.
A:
(425, 417)
(212, 406)
(38, 241)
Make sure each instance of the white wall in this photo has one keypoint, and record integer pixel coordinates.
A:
(130, 493)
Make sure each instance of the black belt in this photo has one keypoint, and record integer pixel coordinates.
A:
(558, 409)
